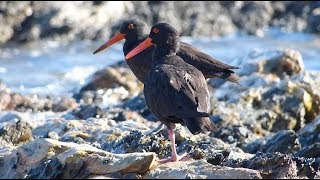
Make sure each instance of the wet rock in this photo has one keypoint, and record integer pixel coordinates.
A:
(251, 21)
(64, 104)
(313, 19)
(309, 134)
(277, 165)
(16, 133)
(308, 167)
(35, 103)
(5, 100)
(112, 85)
(285, 141)
(112, 77)
(54, 128)
(136, 141)
(289, 62)
(278, 62)
(53, 135)
(87, 111)
(311, 98)
(89, 97)
(138, 104)
(274, 165)
(10, 117)
(16, 100)
(119, 114)
(199, 169)
(47, 158)
(291, 16)
(312, 151)
(52, 20)
(12, 15)
(31, 21)
(90, 131)
(236, 135)
(189, 23)
(286, 99)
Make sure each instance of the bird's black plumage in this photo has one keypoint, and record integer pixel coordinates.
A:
(175, 91)
(135, 32)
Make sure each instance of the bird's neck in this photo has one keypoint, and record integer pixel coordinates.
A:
(132, 42)
(165, 50)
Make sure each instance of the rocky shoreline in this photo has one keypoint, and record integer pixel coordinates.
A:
(27, 21)
(268, 128)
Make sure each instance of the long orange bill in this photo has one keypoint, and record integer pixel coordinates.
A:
(142, 46)
(117, 37)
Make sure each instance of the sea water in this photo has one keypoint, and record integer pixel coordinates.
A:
(53, 68)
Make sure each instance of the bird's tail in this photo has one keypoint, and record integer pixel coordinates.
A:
(197, 125)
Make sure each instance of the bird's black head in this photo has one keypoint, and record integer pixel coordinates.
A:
(163, 33)
(133, 28)
(164, 36)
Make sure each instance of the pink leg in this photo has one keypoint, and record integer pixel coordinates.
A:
(174, 154)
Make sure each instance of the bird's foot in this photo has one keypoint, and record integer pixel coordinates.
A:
(175, 158)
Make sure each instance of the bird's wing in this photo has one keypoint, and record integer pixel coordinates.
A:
(189, 92)
(209, 66)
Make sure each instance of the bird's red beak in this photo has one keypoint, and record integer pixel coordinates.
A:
(142, 46)
(117, 37)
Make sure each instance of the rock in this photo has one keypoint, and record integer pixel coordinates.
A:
(111, 86)
(47, 158)
(312, 151)
(313, 19)
(5, 100)
(13, 14)
(10, 117)
(112, 77)
(87, 111)
(274, 165)
(285, 141)
(35, 103)
(286, 100)
(90, 131)
(277, 165)
(289, 62)
(309, 134)
(251, 21)
(307, 167)
(64, 104)
(311, 98)
(291, 16)
(136, 141)
(278, 62)
(119, 114)
(236, 155)
(30, 21)
(16, 133)
(138, 104)
(199, 169)
(16, 101)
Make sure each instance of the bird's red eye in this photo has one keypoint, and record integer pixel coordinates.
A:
(155, 30)
(130, 26)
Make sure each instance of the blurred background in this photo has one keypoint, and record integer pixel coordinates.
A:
(46, 47)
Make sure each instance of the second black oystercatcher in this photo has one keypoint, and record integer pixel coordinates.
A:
(175, 91)
(134, 31)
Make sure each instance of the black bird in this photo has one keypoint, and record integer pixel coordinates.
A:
(175, 91)
(135, 31)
